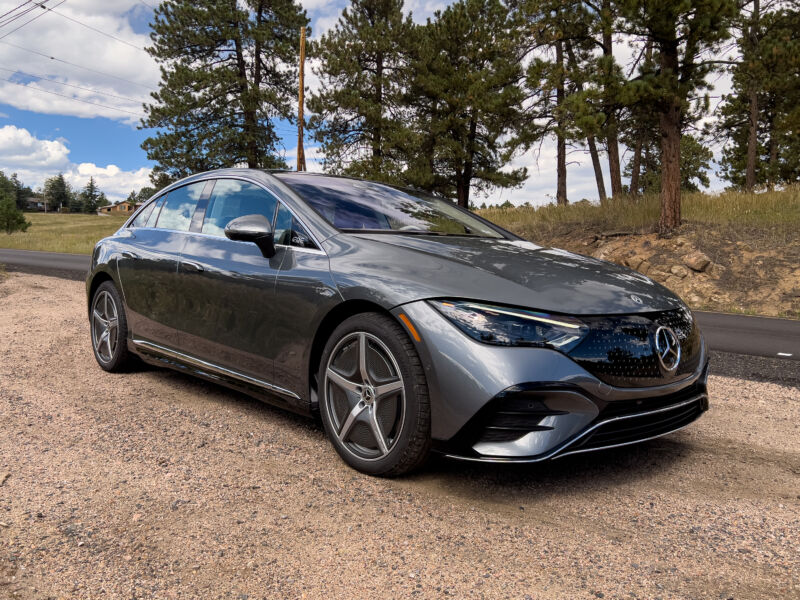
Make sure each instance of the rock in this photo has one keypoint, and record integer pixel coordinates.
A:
(3, 477)
(634, 262)
(681, 241)
(672, 282)
(658, 275)
(697, 261)
(716, 270)
(695, 300)
(679, 271)
(644, 267)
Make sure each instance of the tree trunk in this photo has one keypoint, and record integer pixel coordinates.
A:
(598, 170)
(773, 156)
(377, 138)
(561, 187)
(612, 138)
(252, 151)
(465, 181)
(670, 121)
(752, 97)
(636, 167)
(590, 139)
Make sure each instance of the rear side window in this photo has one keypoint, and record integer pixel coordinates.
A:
(179, 207)
(233, 198)
(144, 214)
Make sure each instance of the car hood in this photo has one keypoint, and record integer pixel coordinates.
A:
(515, 272)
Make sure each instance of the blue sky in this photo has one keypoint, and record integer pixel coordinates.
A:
(43, 133)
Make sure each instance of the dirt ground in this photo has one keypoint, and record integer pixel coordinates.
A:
(154, 485)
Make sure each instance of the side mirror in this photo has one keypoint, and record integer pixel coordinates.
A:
(252, 228)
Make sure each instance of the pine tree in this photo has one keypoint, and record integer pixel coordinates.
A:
(467, 101)
(57, 192)
(682, 34)
(227, 73)
(21, 191)
(11, 218)
(760, 118)
(89, 197)
(363, 63)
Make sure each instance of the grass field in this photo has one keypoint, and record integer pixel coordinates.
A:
(777, 212)
(776, 215)
(53, 232)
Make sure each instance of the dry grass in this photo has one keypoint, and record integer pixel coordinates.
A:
(53, 232)
(776, 211)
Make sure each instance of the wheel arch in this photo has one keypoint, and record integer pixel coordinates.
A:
(97, 279)
(337, 315)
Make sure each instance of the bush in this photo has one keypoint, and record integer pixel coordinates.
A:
(11, 218)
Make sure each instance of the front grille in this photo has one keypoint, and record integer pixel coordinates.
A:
(641, 427)
(619, 350)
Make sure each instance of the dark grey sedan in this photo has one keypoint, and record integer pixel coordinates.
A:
(406, 323)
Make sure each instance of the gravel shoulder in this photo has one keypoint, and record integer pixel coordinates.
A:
(154, 485)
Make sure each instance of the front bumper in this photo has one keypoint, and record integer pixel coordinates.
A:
(510, 404)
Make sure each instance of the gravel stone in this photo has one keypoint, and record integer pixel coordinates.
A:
(150, 485)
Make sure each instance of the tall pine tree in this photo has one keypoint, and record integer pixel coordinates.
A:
(228, 72)
(683, 34)
(467, 100)
(363, 65)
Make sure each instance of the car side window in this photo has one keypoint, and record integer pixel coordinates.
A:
(233, 198)
(289, 231)
(144, 214)
(179, 207)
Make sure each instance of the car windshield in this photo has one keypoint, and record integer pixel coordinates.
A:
(352, 205)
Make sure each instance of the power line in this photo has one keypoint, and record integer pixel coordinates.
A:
(27, 87)
(15, 9)
(47, 78)
(66, 62)
(108, 35)
(29, 21)
(10, 19)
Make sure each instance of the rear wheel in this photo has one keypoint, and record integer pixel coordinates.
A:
(109, 328)
(374, 397)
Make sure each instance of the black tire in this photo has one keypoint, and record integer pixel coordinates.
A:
(107, 306)
(394, 398)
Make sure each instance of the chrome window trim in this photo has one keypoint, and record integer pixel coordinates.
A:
(210, 367)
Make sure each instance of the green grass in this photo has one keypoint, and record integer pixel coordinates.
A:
(778, 210)
(53, 232)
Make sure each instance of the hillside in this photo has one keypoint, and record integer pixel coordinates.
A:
(735, 252)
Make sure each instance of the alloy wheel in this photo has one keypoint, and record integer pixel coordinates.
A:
(364, 395)
(105, 326)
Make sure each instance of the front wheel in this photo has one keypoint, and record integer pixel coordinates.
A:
(374, 397)
(109, 328)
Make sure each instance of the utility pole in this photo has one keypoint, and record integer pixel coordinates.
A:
(301, 155)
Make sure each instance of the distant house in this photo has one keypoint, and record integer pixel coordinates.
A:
(35, 203)
(123, 207)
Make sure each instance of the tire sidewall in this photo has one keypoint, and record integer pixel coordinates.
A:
(387, 332)
(120, 353)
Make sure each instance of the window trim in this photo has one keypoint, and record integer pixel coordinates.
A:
(278, 204)
(214, 179)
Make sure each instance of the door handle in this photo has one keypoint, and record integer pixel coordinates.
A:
(128, 254)
(192, 266)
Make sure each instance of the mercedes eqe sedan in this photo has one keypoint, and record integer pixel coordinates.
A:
(408, 324)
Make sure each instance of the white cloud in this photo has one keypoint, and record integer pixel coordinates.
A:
(126, 73)
(34, 160)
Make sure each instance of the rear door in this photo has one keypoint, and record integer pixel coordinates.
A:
(148, 267)
(228, 287)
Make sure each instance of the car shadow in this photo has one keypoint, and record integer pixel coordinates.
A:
(475, 482)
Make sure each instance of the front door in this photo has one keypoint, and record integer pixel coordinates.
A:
(227, 288)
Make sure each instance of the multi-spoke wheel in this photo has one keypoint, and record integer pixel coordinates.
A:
(109, 328)
(373, 396)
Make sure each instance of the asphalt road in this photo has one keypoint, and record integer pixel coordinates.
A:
(738, 334)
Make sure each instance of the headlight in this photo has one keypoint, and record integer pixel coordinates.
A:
(503, 326)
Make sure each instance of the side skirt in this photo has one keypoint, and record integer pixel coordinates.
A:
(162, 356)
